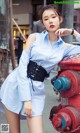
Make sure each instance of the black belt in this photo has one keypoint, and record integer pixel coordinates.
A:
(36, 72)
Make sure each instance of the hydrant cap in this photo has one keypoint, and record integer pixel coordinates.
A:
(58, 84)
(62, 83)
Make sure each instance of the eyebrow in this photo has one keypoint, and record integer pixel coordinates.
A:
(50, 15)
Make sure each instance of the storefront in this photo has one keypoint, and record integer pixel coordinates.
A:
(4, 38)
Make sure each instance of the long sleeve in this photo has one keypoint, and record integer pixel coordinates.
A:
(23, 81)
(78, 38)
(72, 49)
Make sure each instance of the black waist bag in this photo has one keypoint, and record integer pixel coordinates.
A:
(36, 72)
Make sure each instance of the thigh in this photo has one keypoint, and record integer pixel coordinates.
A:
(35, 124)
(13, 120)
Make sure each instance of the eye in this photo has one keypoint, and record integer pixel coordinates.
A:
(53, 16)
(45, 19)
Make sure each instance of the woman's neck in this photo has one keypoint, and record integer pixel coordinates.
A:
(53, 38)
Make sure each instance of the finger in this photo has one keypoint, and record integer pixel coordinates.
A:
(28, 112)
(62, 33)
(57, 32)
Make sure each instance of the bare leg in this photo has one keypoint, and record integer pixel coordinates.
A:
(13, 120)
(35, 124)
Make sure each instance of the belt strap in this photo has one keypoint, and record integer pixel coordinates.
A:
(36, 72)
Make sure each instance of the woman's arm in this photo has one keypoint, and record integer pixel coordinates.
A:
(23, 80)
(66, 32)
(71, 49)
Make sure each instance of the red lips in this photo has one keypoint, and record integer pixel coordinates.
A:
(51, 26)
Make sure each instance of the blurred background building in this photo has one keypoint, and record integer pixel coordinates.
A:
(25, 12)
(4, 38)
(77, 16)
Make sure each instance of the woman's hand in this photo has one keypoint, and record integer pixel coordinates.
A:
(63, 32)
(28, 108)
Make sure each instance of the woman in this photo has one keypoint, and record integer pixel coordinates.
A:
(23, 91)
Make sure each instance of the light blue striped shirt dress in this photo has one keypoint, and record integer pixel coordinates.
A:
(18, 88)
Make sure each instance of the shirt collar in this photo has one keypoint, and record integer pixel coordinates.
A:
(45, 34)
(59, 42)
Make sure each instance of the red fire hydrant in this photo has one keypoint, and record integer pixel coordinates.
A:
(66, 117)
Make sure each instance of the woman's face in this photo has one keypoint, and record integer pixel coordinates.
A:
(51, 20)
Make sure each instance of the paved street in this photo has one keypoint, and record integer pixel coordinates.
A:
(51, 99)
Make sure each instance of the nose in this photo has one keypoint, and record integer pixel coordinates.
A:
(50, 20)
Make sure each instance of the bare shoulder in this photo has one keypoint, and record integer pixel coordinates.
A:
(32, 37)
(30, 40)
